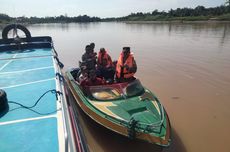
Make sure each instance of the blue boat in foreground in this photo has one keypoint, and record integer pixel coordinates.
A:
(35, 114)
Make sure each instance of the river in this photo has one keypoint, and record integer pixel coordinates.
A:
(186, 65)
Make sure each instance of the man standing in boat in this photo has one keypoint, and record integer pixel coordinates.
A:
(126, 66)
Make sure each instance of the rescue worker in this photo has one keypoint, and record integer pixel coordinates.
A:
(105, 66)
(104, 59)
(126, 66)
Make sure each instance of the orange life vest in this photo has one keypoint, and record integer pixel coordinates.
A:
(104, 60)
(129, 62)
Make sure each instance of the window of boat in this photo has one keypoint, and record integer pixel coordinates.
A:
(105, 93)
(134, 89)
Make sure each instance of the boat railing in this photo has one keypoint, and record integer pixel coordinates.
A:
(69, 142)
(72, 137)
(25, 40)
(61, 99)
(33, 42)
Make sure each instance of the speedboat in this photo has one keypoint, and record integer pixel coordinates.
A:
(126, 108)
(35, 114)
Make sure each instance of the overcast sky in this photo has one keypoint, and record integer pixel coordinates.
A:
(100, 8)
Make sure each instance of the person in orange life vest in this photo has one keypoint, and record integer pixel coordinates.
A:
(104, 59)
(105, 65)
(126, 66)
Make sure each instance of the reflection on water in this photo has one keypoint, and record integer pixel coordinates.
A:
(192, 29)
(225, 33)
(186, 65)
(66, 26)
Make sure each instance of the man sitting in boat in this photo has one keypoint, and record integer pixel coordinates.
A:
(89, 58)
(88, 61)
(126, 66)
(105, 65)
(92, 80)
(92, 46)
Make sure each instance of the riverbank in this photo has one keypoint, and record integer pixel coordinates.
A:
(3, 23)
(162, 18)
(134, 18)
(177, 21)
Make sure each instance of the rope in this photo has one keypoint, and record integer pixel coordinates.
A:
(54, 49)
(60, 77)
(34, 105)
(131, 128)
(61, 65)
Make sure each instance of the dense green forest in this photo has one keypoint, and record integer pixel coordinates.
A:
(198, 13)
(57, 19)
(190, 14)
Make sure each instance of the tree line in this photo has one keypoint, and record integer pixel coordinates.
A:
(56, 19)
(198, 13)
(4, 18)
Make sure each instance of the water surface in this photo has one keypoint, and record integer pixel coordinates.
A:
(186, 65)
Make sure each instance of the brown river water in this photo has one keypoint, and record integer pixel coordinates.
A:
(186, 65)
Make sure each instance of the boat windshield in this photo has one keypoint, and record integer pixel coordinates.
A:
(117, 91)
(105, 93)
(133, 89)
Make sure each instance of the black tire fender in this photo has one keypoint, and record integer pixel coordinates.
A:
(3, 102)
(12, 26)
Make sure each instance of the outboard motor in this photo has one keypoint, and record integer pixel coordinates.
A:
(4, 107)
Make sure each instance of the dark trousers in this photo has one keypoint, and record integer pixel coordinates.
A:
(106, 73)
